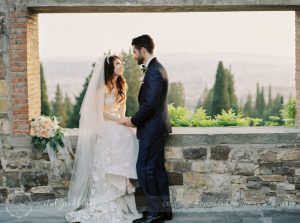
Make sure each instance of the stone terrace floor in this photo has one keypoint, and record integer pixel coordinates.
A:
(45, 213)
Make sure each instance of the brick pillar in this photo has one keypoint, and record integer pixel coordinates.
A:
(24, 70)
(297, 72)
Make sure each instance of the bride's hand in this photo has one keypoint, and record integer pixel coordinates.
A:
(122, 120)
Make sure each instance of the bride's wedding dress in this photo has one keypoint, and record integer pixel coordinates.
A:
(111, 196)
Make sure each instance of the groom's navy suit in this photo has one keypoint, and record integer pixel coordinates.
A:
(153, 126)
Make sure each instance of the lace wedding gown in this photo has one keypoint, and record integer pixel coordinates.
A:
(111, 194)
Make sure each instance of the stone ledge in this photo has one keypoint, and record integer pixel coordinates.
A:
(158, 6)
(225, 135)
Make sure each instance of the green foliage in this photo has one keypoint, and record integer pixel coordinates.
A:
(133, 76)
(45, 106)
(222, 95)
(273, 121)
(200, 119)
(68, 107)
(180, 116)
(248, 107)
(58, 107)
(288, 112)
(176, 94)
(73, 121)
(255, 121)
(231, 119)
(220, 91)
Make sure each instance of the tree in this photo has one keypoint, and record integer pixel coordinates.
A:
(58, 107)
(220, 91)
(68, 107)
(45, 106)
(260, 104)
(133, 76)
(73, 121)
(176, 94)
(248, 107)
(231, 92)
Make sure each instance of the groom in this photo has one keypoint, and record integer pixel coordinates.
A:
(153, 126)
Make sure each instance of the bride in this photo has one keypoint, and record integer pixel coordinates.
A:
(101, 188)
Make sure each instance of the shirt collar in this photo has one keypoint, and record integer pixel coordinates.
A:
(148, 61)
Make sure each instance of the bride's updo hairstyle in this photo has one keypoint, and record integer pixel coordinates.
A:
(109, 74)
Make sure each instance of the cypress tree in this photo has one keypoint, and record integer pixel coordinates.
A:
(58, 107)
(73, 121)
(45, 106)
(220, 92)
(231, 92)
(68, 107)
(248, 107)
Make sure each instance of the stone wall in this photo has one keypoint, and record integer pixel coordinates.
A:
(206, 166)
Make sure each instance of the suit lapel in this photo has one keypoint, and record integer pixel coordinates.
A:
(152, 62)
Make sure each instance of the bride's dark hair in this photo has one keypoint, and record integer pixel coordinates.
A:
(109, 74)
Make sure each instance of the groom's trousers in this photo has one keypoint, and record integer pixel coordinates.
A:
(152, 175)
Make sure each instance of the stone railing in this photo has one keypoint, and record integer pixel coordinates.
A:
(206, 166)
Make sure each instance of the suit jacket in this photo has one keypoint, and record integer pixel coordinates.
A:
(152, 119)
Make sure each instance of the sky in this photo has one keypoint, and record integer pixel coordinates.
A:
(90, 35)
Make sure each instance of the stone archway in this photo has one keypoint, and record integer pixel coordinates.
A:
(187, 154)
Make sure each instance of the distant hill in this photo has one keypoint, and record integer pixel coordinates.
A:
(195, 71)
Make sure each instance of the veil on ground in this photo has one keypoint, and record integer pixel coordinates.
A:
(90, 125)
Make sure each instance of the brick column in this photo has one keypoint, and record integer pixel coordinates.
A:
(297, 72)
(24, 70)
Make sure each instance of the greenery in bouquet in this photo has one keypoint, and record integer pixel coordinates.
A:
(44, 130)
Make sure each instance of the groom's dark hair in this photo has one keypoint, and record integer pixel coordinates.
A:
(143, 41)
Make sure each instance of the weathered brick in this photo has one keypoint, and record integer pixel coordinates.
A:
(195, 153)
(269, 156)
(218, 198)
(19, 198)
(3, 105)
(33, 179)
(181, 166)
(175, 178)
(1, 179)
(174, 153)
(254, 185)
(3, 195)
(254, 196)
(220, 152)
(194, 179)
(273, 178)
(42, 196)
(245, 169)
(5, 126)
(12, 179)
(289, 155)
(3, 88)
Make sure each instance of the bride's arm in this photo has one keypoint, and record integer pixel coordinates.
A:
(122, 108)
(111, 117)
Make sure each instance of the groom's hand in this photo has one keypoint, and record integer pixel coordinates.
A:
(127, 121)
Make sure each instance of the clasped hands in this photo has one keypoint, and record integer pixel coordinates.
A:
(126, 121)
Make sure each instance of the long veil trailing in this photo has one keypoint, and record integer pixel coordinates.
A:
(90, 124)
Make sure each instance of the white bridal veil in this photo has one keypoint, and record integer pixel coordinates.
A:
(90, 125)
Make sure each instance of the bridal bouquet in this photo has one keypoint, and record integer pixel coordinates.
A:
(48, 136)
(44, 130)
